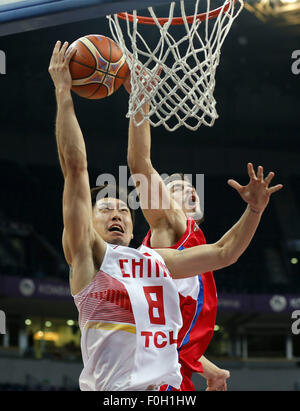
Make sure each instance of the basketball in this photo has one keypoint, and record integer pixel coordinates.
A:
(98, 67)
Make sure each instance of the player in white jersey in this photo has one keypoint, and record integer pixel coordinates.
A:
(128, 304)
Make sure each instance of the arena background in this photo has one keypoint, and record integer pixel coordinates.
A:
(257, 96)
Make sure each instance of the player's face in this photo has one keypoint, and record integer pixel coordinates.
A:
(186, 197)
(112, 221)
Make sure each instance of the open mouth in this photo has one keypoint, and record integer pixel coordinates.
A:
(192, 200)
(116, 228)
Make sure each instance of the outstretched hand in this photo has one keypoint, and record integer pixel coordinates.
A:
(59, 65)
(257, 193)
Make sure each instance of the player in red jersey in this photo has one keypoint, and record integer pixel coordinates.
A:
(175, 226)
(198, 297)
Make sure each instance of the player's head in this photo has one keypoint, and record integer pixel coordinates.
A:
(112, 218)
(185, 195)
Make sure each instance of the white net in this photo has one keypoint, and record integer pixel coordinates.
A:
(175, 74)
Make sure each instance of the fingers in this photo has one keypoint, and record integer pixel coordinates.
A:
(251, 172)
(55, 52)
(60, 55)
(269, 177)
(234, 184)
(56, 47)
(226, 374)
(69, 54)
(222, 387)
(260, 173)
(63, 51)
(260, 176)
(275, 188)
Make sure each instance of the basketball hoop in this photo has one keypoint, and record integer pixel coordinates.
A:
(176, 75)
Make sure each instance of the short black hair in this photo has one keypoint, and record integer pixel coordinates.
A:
(113, 191)
(177, 176)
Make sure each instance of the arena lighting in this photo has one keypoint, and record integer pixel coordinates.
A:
(294, 260)
(28, 321)
(46, 336)
(277, 12)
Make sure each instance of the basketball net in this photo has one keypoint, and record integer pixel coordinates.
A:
(175, 76)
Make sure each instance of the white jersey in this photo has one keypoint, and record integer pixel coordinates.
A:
(129, 318)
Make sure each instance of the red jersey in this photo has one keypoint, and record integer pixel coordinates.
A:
(198, 305)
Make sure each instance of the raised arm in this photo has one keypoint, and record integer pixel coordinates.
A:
(158, 207)
(226, 251)
(79, 237)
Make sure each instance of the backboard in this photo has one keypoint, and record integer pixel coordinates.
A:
(24, 15)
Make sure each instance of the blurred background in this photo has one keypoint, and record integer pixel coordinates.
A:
(258, 95)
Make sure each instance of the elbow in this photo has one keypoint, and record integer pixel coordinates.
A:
(232, 261)
(76, 163)
(227, 258)
(139, 165)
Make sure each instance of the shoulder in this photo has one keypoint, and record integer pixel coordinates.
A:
(167, 232)
(145, 250)
(197, 232)
(94, 249)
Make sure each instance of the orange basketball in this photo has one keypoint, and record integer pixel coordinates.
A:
(98, 68)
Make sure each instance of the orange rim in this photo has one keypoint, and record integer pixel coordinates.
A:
(176, 21)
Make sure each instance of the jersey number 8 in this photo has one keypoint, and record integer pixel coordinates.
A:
(155, 299)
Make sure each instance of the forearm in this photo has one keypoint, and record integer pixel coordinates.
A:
(139, 145)
(70, 142)
(237, 239)
(215, 376)
(210, 370)
(212, 257)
